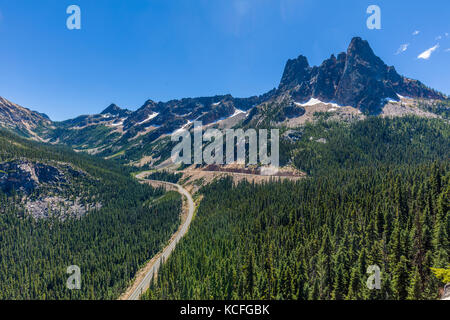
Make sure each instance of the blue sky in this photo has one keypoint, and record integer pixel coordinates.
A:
(134, 50)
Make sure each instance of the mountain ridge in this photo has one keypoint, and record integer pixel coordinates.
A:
(356, 78)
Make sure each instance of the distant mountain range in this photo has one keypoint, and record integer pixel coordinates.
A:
(357, 78)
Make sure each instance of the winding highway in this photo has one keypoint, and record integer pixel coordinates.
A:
(153, 266)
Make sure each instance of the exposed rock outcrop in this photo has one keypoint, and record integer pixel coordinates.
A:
(46, 189)
(22, 120)
(357, 78)
(26, 176)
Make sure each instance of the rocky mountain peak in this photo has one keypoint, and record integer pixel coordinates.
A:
(112, 109)
(361, 48)
(115, 110)
(357, 78)
(295, 72)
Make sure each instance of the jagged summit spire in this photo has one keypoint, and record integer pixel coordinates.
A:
(112, 109)
(359, 44)
(356, 78)
(295, 72)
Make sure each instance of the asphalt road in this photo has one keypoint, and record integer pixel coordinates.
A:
(182, 230)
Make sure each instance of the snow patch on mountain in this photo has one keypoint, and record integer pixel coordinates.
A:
(183, 127)
(150, 117)
(314, 101)
(236, 112)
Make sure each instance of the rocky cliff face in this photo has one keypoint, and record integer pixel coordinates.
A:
(27, 176)
(115, 110)
(20, 119)
(357, 78)
(46, 189)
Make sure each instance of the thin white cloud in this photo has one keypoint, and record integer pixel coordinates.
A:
(415, 33)
(447, 50)
(237, 19)
(402, 48)
(446, 34)
(438, 38)
(292, 10)
(427, 53)
(242, 7)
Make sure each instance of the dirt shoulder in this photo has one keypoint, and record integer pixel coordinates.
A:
(194, 179)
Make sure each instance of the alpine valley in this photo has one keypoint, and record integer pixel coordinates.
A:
(365, 160)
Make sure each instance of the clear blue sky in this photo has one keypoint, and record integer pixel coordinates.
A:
(132, 50)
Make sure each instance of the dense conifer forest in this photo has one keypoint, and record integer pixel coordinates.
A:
(109, 244)
(165, 176)
(377, 194)
(374, 141)
(314, 239)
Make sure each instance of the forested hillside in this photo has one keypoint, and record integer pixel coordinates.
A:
(330, 145)
(109, 243)
(165, 176)
(315, 239)
(377, 194)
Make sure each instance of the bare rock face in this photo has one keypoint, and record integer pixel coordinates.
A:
(172, 115)
(115, 110)
(296, 73)
(20, 119)
(292, 111)
(357, 78)
(42, 188)
(26, 176)
(46, 207)
(327, 77)
(363, 83)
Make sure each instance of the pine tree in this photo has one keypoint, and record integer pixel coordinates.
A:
(400, 279)
(440, 240)
(354, 285)
(338, 292)
(415, 288)
(249, 275)
(325, 266)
